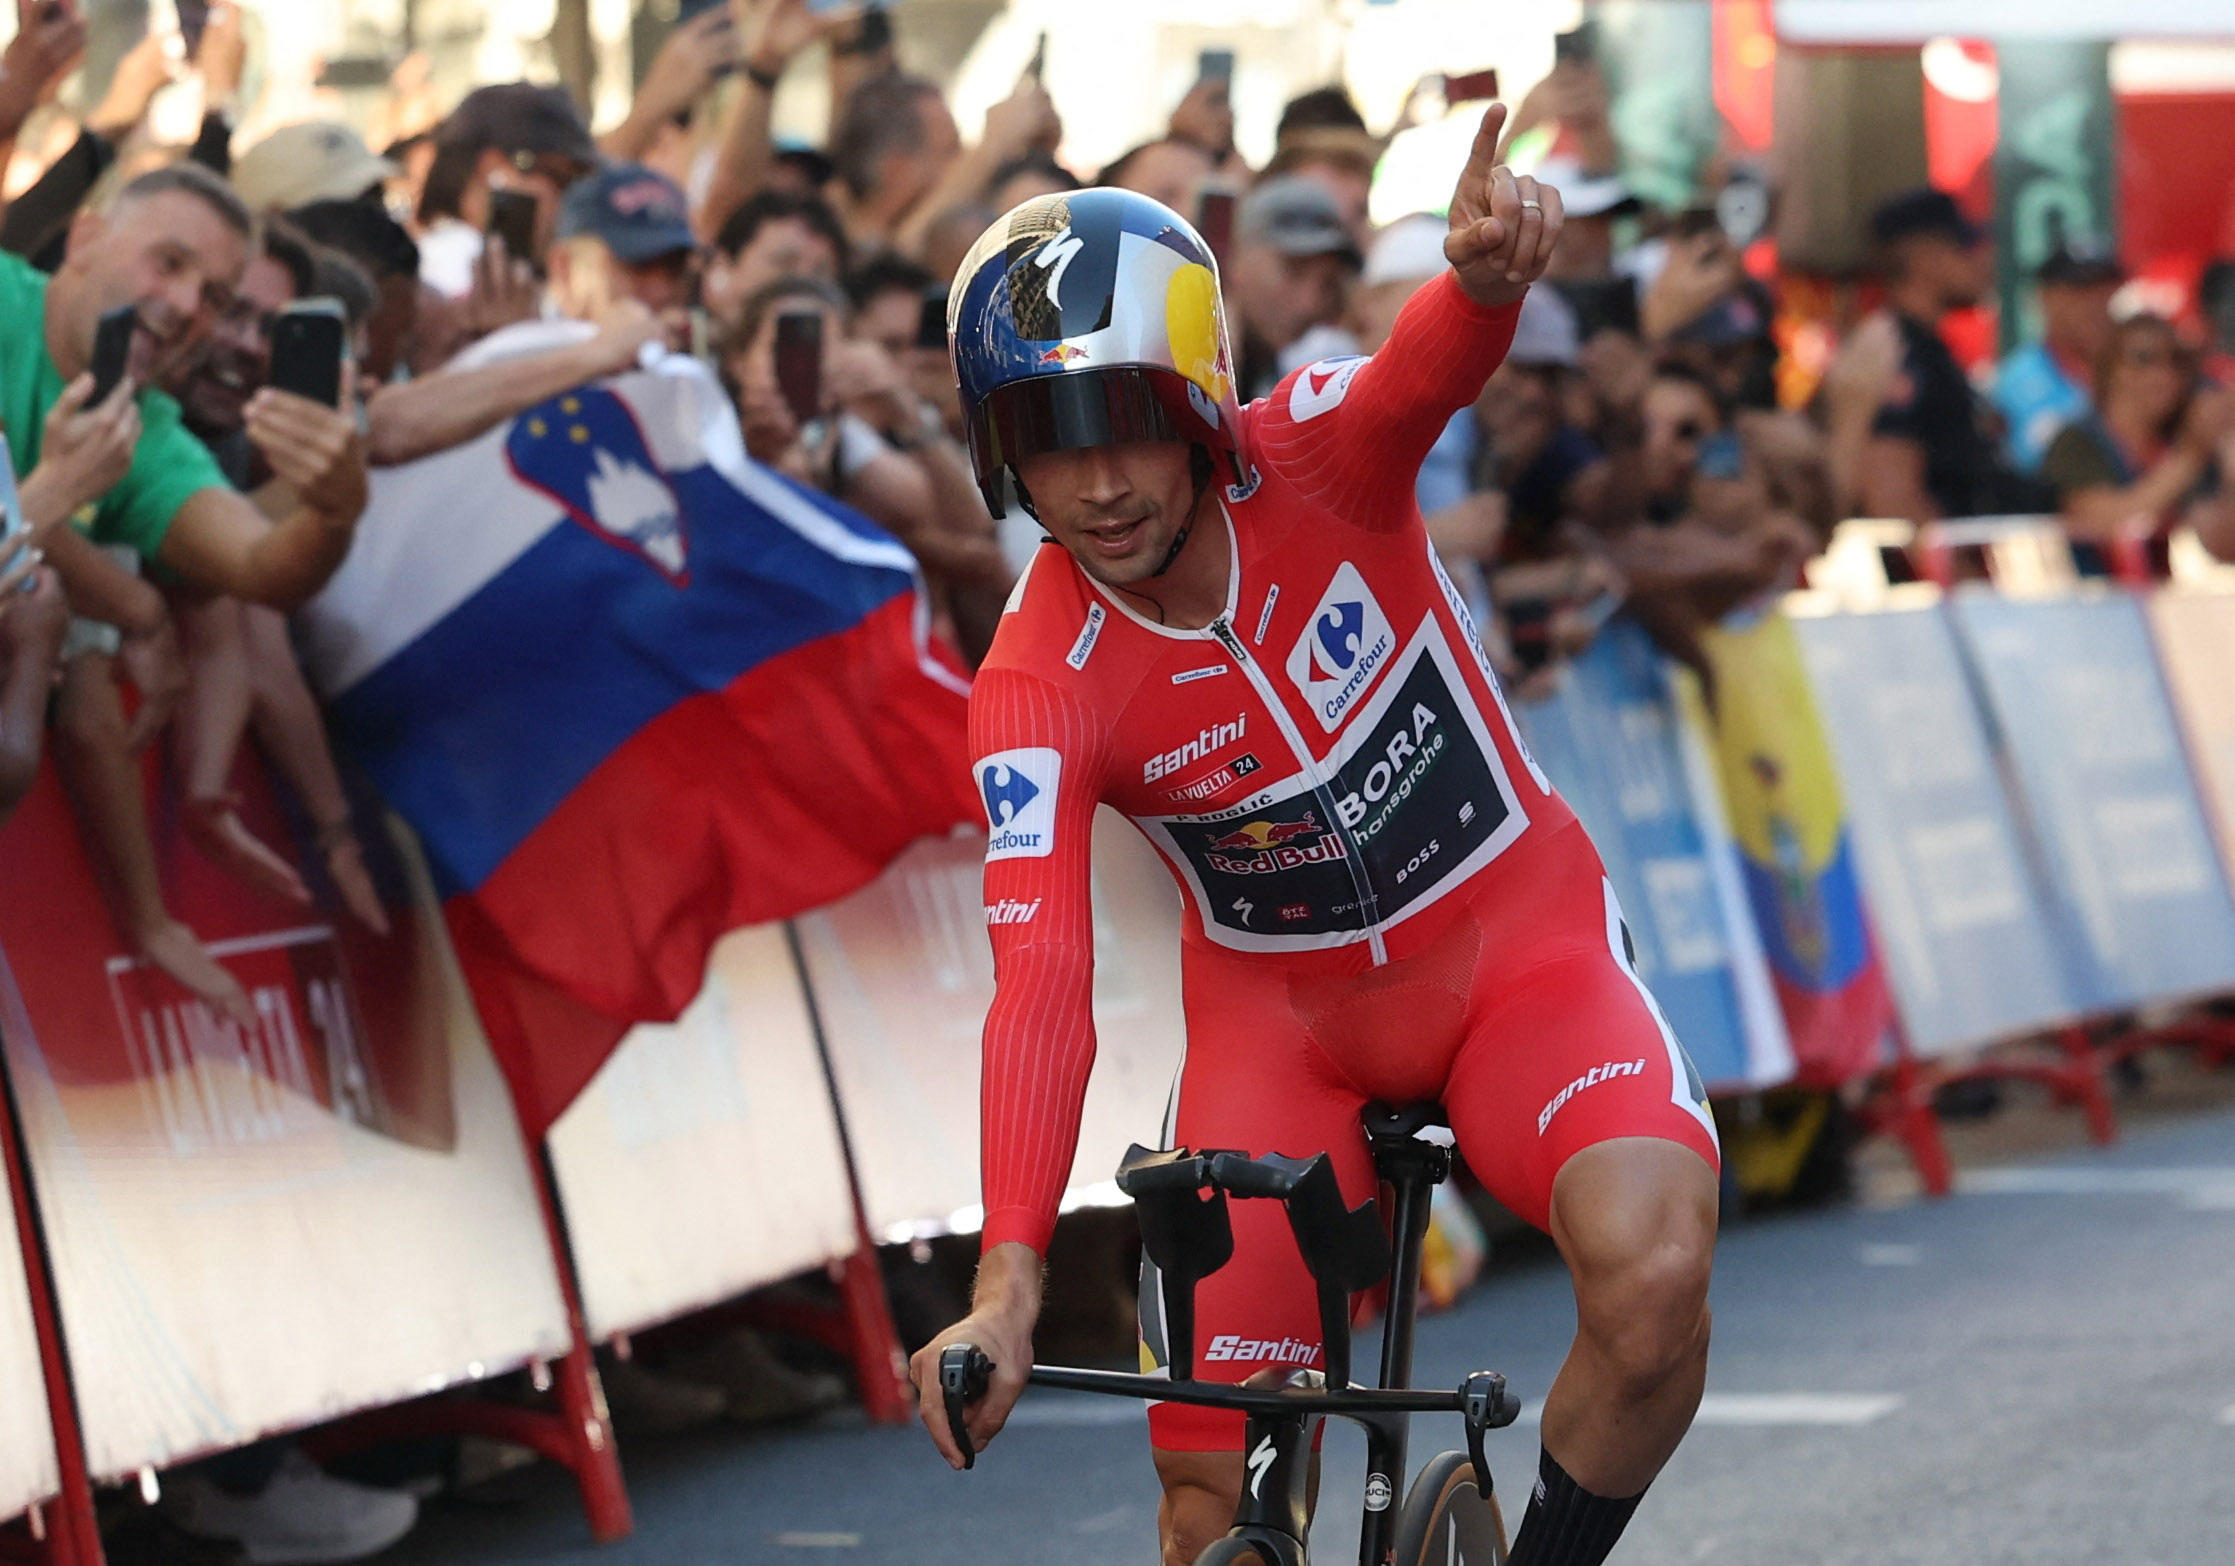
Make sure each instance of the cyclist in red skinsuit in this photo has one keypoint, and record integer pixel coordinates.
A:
(1384, 898)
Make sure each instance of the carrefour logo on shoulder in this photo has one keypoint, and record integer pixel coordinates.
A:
(1018, 787)
(1345, 643)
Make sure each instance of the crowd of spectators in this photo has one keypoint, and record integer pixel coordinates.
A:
(1636, 452)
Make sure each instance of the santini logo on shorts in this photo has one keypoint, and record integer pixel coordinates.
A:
(1589, 1079)
(1345, 643)
(1226, 1347)
(1019, 790)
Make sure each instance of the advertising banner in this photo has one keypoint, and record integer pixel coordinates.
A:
(2196, 647)
(2055, 160)
(1613, 745)
(27, 1466)
(2073, 688)
(1958, 910)
(1782, 797)
(730, 1103)
(256, 1227)
(902, 974)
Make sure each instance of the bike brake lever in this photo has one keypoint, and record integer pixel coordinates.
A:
(964, 1373)
(1487, 1406)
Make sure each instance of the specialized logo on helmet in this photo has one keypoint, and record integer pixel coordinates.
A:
(1345, 643)
(1019, 790)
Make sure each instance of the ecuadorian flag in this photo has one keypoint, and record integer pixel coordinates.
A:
(632, 691)
(1780, 788)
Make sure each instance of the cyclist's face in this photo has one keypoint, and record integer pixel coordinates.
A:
(1116, 508)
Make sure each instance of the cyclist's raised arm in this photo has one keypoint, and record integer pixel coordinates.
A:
(1342, 428)
(1041, 759)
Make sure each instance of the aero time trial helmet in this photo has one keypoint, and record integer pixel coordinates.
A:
(1089, 318)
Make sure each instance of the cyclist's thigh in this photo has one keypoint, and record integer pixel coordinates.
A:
(1252, 1080)
(1567, 1049)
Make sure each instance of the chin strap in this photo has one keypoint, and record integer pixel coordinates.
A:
(1206, 469)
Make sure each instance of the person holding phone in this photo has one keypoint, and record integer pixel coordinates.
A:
(513, 136)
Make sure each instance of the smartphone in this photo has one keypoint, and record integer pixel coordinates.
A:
(1528, 624)
(1607, 304)
(1214, 220)
(12, 522)
(1039, 64)
(112, 351)
(1470, 87)
(931, 322)
(1579, 47)
(310, 344)
(512, 218)
(193, 16)
(1214, 65)
(799, 362)
(356, 71)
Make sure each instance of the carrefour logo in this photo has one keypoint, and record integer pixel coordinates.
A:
(1018, 787)
(1345, 643)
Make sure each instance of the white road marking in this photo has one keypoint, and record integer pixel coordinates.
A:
(2208, 1188)
(1781, 1408)
(819, 1541)
(1889, 1255)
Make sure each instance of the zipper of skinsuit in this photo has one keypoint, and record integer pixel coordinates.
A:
(1369, 905)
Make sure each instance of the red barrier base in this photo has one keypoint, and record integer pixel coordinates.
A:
(1900, 1106)
(857, 1326)
(577, 1436)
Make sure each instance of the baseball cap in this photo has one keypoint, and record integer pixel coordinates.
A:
(1923, 211)
(640, 213)
(318, 160)
(1546, 332)
(523, 119)
(2080, 264)
(1407, 251)
(1587, 195)
(1295, 215)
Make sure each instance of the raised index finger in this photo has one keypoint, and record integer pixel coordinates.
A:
(1482, 157)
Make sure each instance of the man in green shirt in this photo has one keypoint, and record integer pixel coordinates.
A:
(173, 244)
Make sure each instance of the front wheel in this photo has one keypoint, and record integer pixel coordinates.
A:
(1447, 1521)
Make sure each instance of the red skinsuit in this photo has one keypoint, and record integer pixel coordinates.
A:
(1385, 899)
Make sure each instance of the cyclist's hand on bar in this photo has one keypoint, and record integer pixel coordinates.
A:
(1000, 1323)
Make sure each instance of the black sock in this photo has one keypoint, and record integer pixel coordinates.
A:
(1566, 1525)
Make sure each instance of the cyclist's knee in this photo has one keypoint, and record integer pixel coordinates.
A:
(1200, 1493)
(1638, 1230)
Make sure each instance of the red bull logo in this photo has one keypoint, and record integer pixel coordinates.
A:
(1263, 846)
(1063, 353)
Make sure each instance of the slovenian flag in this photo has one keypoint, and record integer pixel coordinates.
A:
(632, 691)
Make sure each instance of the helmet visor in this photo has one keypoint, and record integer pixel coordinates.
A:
(1104, 407)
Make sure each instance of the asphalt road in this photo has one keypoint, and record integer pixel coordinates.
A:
(2040, 1369)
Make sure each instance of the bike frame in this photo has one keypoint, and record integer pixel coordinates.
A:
(1346, 1252)
(1274, 1511)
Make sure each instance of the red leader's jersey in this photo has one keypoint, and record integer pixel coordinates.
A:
(1322, 767)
